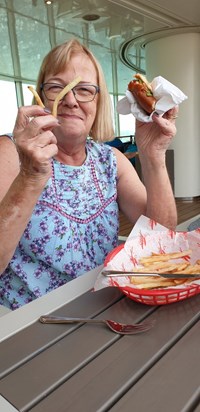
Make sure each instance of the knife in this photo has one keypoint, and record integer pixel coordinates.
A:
(115, 273)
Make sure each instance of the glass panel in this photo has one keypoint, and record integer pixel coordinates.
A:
(127, 124)
(28, 96)
(65, 32)
(31, 48)
(112, 103)
(136, 57)
(7, 91)
(105, 60)
(6, 66)
(34, 9)
(124, 75)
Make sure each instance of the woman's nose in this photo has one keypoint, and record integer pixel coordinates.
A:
(69, 99)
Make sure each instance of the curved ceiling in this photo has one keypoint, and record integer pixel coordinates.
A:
(161, 19)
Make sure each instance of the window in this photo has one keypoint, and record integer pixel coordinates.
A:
(8, 106)
(126, 124)
(28, 96)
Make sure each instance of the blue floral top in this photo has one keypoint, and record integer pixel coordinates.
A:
(73, 227)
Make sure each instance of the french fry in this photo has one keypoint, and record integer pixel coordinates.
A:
(181, 267)
(179, 281)
(145, 279)
(152, 283)
(63, 93)
(162, 267)
(192, 270)
(163, 263)
(165, 257)
(37, 97)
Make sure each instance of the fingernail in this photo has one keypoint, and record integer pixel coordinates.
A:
(157, 114)
(46, 110)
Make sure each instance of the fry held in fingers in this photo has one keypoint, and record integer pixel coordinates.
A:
(36, 96)
(63, 93)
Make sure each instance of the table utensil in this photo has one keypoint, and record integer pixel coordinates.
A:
(123, 329)
(115, 273)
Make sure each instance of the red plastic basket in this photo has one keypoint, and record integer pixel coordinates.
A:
(154, 296)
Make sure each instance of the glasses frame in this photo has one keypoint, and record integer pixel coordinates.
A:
(97, 88)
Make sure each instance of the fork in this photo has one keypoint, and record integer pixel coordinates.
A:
(117, 327)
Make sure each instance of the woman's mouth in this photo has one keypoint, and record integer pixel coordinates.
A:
(70, 116)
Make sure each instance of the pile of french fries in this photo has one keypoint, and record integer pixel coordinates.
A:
(164, 263)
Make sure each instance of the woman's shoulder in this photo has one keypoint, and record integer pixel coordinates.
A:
(6, 137)
(8, 148)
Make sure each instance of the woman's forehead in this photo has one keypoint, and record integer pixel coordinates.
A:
(79, 64)
(81, 60)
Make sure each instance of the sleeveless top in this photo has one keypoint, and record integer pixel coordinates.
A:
(73, 227)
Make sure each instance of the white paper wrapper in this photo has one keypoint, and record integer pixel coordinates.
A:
(166, 94)
(146, 237)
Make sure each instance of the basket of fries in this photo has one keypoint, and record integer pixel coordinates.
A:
(166, 265)
(159, 291)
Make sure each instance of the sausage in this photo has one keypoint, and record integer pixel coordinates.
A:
(142, 91)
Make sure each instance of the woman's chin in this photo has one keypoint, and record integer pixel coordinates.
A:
(69, 132)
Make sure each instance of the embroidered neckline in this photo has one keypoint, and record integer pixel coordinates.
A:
(56, 206)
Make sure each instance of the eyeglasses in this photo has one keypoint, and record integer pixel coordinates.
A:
(82, 92)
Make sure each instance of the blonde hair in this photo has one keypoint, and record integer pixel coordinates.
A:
(56, 61)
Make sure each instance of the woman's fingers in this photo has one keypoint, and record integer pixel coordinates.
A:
(25, 113)
(35, 154)
(35, 118)
(167, 122)
(41, 140)
(39, 125)
(35, 142)
(41, 153)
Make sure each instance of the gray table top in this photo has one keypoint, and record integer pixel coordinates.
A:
(59, 368)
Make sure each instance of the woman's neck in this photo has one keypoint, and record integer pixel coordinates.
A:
(72, 156)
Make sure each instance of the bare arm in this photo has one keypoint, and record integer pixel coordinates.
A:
(23, 175)
(156, 200)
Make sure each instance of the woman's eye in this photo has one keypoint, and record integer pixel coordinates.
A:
(84, 90)
(55, 88)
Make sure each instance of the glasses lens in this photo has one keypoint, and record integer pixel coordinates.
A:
(52, 90)
(84, 93)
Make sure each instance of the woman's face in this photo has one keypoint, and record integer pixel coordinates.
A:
(76, 118)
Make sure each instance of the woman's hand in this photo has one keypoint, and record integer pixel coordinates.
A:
(154, 138)
(35, 142)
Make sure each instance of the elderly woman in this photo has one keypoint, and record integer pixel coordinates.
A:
(61, 187)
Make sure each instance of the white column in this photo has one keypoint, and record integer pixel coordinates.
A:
(177, 58)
